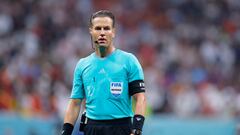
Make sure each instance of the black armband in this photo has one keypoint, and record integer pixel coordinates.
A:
(67, 129)
(136, 86)
(138, 121)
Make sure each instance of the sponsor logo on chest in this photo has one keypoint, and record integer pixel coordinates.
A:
(116, 88)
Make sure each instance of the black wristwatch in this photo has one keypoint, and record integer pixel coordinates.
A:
(136, 132)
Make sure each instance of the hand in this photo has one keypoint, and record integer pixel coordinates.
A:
(131, 134)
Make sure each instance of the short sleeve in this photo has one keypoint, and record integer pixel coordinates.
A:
(77, 88)
(135, 69)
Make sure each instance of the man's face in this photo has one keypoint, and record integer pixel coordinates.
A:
(102, 31)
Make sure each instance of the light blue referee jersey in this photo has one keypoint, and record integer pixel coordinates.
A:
(103, 82)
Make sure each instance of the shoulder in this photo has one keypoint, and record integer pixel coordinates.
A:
(84, 61)
(130, 57)
(126, 54)
(127, 59)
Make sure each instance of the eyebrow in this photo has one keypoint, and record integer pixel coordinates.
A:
(100, 27)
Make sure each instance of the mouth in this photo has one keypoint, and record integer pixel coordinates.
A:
(102, 41)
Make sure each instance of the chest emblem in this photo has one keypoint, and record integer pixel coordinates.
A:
(116, 88)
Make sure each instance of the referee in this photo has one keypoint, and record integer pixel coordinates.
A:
(107, 79)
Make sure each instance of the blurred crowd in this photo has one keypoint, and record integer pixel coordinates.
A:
(189, 50)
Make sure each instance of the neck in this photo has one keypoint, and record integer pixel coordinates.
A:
(104, 51)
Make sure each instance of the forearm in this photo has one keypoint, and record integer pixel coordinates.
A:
(138, 119)
(140, 104)
(72, 111)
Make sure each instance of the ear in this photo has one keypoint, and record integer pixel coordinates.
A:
(90, 30)
(113, 32)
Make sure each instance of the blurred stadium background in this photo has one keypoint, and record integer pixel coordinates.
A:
(189, 49)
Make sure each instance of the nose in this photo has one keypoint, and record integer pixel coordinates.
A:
(102, 31)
